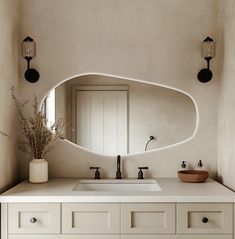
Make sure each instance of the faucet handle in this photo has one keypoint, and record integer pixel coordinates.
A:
(97, 173)
(118, 172)
(140, 173)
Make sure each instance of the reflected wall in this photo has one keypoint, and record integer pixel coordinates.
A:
(143, 110)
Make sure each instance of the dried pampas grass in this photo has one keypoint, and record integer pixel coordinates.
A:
(38, 139)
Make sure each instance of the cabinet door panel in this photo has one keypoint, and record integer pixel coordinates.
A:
(207, 218)
(147, 218)
(90, 218)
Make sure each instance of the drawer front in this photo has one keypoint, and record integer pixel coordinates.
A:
(65, 237)
(122, 237)
(90, 218)
(176, 237)
(34, 218)
(147, 218)
(205, 218)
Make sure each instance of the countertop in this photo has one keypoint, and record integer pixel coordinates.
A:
(173, 190)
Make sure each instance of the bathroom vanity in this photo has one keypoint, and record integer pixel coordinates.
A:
(164, 208)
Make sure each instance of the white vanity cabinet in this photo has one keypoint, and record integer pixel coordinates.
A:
(117, 221)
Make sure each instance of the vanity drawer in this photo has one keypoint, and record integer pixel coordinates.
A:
(147, 218)
(205, 218)
(90, 218)
(120, 237)
(34, 218)
(176, 237)
(67, 237)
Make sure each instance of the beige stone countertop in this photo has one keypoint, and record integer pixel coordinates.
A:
(172, 190)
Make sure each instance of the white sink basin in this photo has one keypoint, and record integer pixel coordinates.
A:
(124, 185)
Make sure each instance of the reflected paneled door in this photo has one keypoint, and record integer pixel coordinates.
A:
(101, 121)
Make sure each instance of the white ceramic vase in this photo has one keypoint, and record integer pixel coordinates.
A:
(38, 171)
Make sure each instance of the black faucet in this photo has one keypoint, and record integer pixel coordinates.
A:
(118, 172)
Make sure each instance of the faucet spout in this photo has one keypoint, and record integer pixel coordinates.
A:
(118, 172)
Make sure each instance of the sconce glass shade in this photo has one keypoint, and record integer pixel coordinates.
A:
(208, 48)
(28, 48)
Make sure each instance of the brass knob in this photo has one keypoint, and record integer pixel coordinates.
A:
(205, 220)
(33, 220)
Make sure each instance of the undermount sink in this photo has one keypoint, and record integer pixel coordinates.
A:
(124, 185)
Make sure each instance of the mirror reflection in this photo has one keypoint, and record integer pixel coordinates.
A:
(111, 116)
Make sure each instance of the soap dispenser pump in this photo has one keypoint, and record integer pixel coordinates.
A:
(200, 166)
(184, 165)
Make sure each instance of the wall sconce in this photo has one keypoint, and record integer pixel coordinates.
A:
(29, 52)
(208, 52)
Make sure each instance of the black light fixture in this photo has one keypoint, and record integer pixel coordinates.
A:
(29, 52)
(208, 52)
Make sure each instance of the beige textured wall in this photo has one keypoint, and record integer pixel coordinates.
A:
(9, 52)
(153, 40)
(226, 109)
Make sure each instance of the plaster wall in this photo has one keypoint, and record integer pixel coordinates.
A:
(156, 41)
(226, 109)
(9, 75)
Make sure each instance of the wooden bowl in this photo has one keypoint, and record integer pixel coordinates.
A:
(193, 176)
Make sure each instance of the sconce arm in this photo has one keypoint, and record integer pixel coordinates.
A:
(28, 59)
(208, 59)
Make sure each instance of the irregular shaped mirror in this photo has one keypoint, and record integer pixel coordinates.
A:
(111, 116)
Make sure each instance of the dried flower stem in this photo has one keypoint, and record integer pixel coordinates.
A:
(38, 138)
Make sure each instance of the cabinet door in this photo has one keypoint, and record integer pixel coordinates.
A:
(147, 218)
(90, 218)
(207, 218)
(34, 218)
